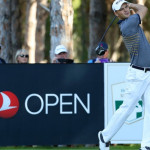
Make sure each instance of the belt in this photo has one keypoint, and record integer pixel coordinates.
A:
(140, 68)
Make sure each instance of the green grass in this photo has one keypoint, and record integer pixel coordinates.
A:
(126, 147)
(113, 147)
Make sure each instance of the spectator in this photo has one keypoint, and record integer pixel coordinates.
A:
(22, 56)
(61, 55)
(2, 61)
(103, 58)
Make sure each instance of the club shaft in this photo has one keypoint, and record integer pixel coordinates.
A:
(108, 28)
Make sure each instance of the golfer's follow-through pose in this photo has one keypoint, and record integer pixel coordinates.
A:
(138, 74)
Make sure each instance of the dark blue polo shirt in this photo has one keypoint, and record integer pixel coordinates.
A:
(135, 41)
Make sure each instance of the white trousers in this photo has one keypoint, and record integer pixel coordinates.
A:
(138, 87)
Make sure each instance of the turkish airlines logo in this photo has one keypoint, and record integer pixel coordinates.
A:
(9, 104)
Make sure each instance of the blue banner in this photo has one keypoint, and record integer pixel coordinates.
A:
(50, 104)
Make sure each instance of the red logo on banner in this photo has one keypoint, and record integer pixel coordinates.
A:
(9, 104)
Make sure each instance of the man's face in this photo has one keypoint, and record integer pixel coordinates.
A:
(124, 12)
(62, 55)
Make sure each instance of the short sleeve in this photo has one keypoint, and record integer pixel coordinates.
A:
(130, 25)
(134, 20)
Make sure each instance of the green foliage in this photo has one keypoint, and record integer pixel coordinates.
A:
(81, 30)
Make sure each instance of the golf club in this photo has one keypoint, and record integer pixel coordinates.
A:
(99, 49)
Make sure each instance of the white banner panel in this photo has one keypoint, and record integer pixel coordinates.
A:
(114, 84)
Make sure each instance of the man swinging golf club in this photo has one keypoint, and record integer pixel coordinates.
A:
(138, 74)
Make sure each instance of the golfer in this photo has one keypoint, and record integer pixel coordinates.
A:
(138, 74)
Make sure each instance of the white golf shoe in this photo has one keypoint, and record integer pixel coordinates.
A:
(102, 144)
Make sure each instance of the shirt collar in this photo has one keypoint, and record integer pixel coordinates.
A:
(120, 21)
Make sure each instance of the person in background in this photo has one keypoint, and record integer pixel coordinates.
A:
(22, 56)
(104, 57)
(2, 61)
(61, 55)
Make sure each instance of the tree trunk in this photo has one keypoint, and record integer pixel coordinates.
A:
(5, 30)
(61, 25)
(31, 23)
(16, 27)
(142, 2)
(40, 31)
(97, 24)
(10, 29)
(81, 31)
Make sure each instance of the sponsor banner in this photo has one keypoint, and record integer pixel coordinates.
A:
(50, 104)
(114, 77)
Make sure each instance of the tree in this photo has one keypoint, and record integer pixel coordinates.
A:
(42, 15)
(5, 30)
(31, 23)
(16, 26)
(61, 16)
(81, 30)
(97, 24)
(9, 29)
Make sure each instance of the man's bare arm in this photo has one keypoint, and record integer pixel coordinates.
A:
(139, 9)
